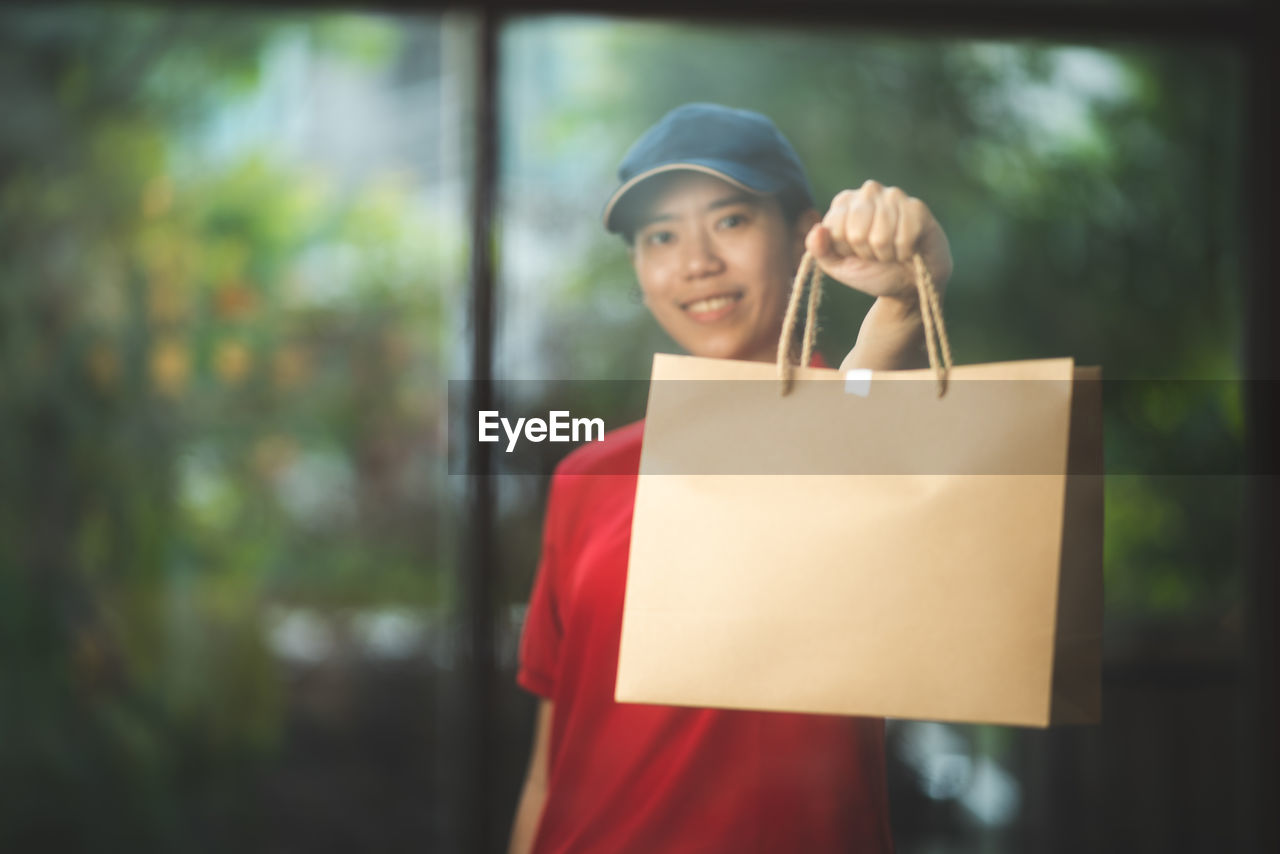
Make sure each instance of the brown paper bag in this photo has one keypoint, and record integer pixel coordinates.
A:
(869, 548)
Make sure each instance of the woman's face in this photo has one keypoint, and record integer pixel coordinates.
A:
(715, 265)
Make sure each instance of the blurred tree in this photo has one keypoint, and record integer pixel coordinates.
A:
(216, 390)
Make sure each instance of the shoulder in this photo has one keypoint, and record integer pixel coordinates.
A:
(594, 482)
(618, 453)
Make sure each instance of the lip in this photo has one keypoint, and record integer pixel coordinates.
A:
(711, 308)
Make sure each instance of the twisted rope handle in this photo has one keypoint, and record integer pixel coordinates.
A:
(809, 274)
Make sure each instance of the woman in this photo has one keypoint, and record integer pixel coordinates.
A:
(716, 212)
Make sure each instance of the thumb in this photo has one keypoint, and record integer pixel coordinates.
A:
(818, 241)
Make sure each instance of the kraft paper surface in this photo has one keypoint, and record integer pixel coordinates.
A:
(920, 581)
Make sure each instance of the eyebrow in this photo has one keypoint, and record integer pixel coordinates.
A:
(737, 198)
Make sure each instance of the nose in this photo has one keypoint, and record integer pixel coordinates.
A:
(701, 257)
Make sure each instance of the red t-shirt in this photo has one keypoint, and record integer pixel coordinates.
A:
(664, 779)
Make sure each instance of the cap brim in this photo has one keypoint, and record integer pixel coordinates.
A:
(763, 185)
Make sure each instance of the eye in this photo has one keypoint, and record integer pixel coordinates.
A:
(659, 238)
(733, 220)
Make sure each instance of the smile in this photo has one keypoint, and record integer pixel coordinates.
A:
(712, 308)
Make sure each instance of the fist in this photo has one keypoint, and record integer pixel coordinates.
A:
(868, 236)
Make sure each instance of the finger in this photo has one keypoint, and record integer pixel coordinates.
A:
(818, 241)
(858, 222)
(911, 225)
(857, 226)
(884, 228)
(834, 223)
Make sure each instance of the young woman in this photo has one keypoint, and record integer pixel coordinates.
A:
(717, 213)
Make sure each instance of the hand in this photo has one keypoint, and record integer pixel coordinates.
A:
(868, 236)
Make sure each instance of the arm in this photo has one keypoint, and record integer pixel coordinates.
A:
(534, 794)
(866, 241)
(891, 338)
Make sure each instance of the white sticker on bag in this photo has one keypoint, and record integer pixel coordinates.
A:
(857, 381)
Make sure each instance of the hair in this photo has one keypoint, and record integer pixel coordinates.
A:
(792, 202)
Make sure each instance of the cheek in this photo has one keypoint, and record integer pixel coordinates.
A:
(771, 255)
(650, 295)
(778, 271)
(654, 281)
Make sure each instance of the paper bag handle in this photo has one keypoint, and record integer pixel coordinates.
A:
(930, 312)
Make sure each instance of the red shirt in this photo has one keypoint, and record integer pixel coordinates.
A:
(663, 779)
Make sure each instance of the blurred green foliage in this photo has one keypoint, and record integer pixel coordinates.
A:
(220, 388)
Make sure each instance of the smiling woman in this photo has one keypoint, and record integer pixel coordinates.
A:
(717, 214)
(715, 264)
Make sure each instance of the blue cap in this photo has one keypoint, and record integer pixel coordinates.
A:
(739, 146)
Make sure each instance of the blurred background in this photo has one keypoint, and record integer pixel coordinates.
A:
(236, 244)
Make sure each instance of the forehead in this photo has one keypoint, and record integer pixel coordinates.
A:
(680, 188)
(677, 193)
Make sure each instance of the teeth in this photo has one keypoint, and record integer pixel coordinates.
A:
(710, 304)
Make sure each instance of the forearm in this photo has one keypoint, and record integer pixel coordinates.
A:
(891, 338)
(533, 798)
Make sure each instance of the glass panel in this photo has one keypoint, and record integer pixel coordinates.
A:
(1092, 197)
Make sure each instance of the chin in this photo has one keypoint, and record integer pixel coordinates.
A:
(717, 350)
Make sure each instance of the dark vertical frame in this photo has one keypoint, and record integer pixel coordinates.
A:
(1261, 826)
(479, 677)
